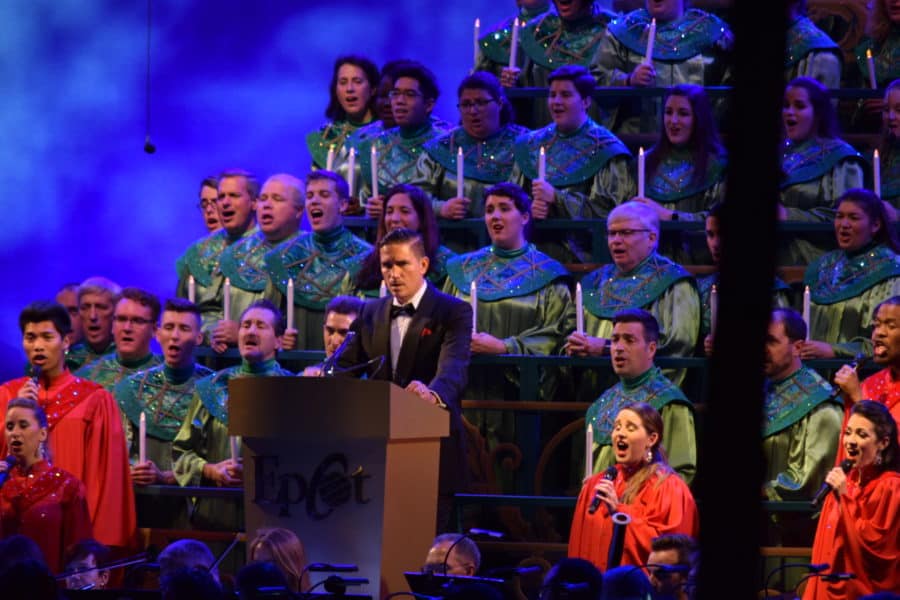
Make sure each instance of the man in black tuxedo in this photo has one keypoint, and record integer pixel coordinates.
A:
(424, 336)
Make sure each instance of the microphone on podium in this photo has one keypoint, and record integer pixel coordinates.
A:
(609, 475)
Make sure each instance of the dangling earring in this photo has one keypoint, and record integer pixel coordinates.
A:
(878, 459)
(649, 457)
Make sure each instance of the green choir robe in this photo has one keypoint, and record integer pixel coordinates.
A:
(201, 260)
(800, 435)
(81, 354)
(673, 185)
(886, 57)
(109, 370)
(676, 411)
(163, 394)
(817, 172)
(890, 175)
(691, 49)
(243, 263)
(781, 298)
(399, 149)
(494, 44)
(203, 438)
(590, 169)
(317, 262)
(811, 53)
(371, 288)
(844, 291)
(657, 285)
(339, 134)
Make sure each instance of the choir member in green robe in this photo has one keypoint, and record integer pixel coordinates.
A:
(495, 42)
(279, 210)
(632, 346)
(202, 447)
(809, 52)
(96, 298)
(317, 262)
(847, 284)
(162, 395)
(134, 324)
(802, 420)
(406, 207)
(818, 167)
(890, 150)
(588, 169)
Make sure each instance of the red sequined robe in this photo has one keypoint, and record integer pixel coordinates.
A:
(880, 387)
(86, 439)
(47, 505)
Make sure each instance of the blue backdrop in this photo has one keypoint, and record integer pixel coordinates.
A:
(233, 83)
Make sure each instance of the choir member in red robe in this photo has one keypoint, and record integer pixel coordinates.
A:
(645, 488)
(859, 528)
(39, 500)
(85, 428)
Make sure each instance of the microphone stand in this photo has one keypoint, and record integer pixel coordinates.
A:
(810, 568)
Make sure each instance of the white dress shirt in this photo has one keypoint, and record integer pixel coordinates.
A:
(400, 324)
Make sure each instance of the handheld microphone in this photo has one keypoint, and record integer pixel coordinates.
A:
(10, 463)
(846, 465)
(609, 475)
(330, 366)
(856, 364)
(36, 372)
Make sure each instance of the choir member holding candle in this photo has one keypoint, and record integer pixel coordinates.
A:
(238, 190)
(882, 41)
(588, 169)
(279, 210)
(202, 446)
(40, 500)
(848, 283)
(484, 141)
(494, 44)
(818, 166)
(398, 149)
(685, 169)
(154, 403)
(889, 152)
(317, 262)
(406, 207)
(351, 106)
(84, 426)
(688, 46)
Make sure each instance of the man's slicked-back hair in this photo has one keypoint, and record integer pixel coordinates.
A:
(277, 317)
(405, 236)
(638, 315)
(344, 305)
(684, 545)
(794, 325)
(37, 312)
(250, 178)
(144, 298)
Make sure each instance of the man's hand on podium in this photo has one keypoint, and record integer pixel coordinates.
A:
(227, 473)
(424, 392)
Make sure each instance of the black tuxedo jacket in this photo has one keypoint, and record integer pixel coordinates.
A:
(435, 351)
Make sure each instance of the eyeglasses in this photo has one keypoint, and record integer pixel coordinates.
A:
(624, 233)
(436, 568)
(206, 203)
(139, 321)
(476, 104)
(410, 94)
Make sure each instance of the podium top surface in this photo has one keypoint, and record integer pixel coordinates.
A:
(327, 408)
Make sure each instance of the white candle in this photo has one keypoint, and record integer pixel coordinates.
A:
(589, 450)
(142, 439)
(233, 445)
(329, 162)
(473, 297)
(542, 165)
(806, 310)
(374, 172)
(641, 166)
(382, 291)
(290, 303)
(226, 300)
(192, 287)
(579, 311)
(351, 170)
(713, 308)
(460, 173)
(514, 43)
(475, 43)
(871, 64)
(651, 39)
(876, 171)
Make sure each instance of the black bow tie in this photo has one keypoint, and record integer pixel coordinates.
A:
(406, 309)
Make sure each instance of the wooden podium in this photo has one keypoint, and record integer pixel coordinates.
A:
(351, 466)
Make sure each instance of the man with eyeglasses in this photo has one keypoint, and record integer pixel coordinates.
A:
(464, 559)
(236, 203)
(96, 298)
(134, 323)
(398, 148)
(163, 394)
(638, 278)
(209, 194)
(587, 167)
